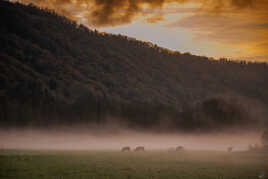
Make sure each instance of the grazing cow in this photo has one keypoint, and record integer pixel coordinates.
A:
(256, 147)
(230, 149)
(125, 149)
(253, 147)
(179, 148)
(250, 147)
(139, 149)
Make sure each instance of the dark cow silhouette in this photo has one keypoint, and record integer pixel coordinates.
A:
(125, 149)
(179, 148)
(230, 149)
(139, 149)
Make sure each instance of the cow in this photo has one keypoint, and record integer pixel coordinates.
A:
(179, 148)
(253, 147)
(139, 149)
(125, 149)
(250, 147)
(230, 149)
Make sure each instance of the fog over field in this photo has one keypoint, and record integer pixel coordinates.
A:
(84, 138)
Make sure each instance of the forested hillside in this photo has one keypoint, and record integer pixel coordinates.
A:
(54, 71)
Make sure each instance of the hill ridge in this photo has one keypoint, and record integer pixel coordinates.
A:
(48, 61)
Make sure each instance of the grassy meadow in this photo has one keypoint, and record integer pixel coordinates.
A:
(19, 164)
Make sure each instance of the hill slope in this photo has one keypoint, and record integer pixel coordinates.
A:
(53, 70)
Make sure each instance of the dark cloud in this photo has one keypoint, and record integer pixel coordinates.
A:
(117, 12)
(242, 3)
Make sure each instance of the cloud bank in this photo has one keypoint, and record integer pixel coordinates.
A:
(240, 25)
(101, 13)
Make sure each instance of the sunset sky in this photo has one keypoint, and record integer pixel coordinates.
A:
(217, 28)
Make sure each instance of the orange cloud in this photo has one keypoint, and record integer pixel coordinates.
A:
(118, 12)
(242, 23)
(155, 18)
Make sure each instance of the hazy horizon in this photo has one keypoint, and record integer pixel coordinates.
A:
(115, 137)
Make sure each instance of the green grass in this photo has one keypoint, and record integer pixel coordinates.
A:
(115, 164)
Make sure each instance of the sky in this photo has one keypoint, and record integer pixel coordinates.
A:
(235, 29)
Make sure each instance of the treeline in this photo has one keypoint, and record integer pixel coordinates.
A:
(53, 70)
(213, 114)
